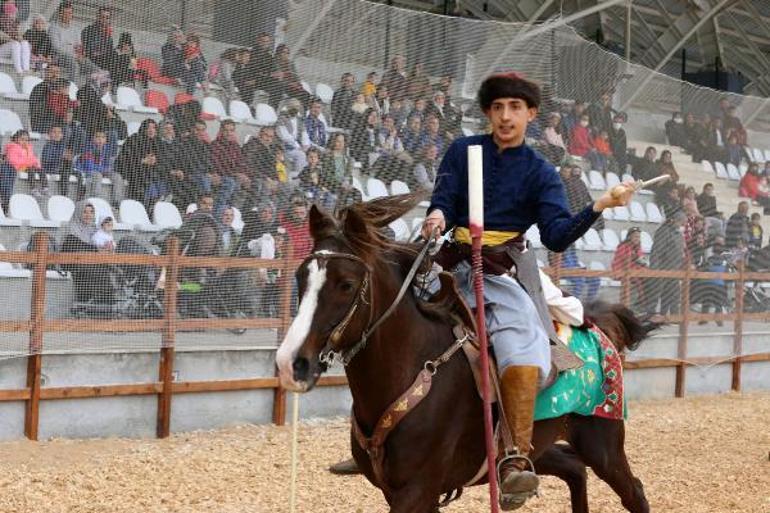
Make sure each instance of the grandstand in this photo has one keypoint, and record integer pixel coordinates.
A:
(326, 39)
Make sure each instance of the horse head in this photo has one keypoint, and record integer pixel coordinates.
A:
(336, 287)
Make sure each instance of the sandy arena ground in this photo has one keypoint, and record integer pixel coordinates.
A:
(699, 455)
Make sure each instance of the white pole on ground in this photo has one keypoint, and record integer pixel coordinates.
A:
(294, 430)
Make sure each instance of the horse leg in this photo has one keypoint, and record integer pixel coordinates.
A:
(561, 461)
(600, 444)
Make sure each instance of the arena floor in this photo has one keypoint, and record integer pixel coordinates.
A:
(704, 454)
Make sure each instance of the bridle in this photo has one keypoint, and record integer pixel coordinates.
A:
(329, 354)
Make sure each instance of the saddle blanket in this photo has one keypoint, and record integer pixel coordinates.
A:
(595, 389)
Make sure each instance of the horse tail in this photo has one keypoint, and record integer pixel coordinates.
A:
(620, 324)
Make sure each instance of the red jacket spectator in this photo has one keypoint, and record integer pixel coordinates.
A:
(21, 156)
(297, 229)
(226, 155)
(602, 145)
(627, 256)
(749, 185)
(580, 141)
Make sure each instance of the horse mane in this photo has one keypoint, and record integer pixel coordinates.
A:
(623, 327)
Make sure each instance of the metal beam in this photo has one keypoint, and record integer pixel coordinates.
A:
(756, 113)
(762, 60)
(546, 27)
(693, 29)
(311, 28)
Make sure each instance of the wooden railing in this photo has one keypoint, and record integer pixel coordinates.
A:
(165, 388)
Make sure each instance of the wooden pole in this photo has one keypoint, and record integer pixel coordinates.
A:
(684, 327)
(738, 327)
(37, 315)
(168, 338)
(286, 286)
(625, 291)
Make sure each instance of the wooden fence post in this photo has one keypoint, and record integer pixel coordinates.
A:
(738, 327)
(168, 340)
(684, 327)
(37, 316)
(285, 286)
(625, 291)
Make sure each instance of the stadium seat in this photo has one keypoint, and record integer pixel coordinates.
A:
(638, 215)
(9, 122)
(132, 127)
(596, 265)
(181, 98)
(25, 208)
(166, 215)
(191, 208)
(324, 92)
(398, 187)
(8, 270)
(596, 181)
(612, 180)
(592, 241)
(707, 167)
(376, 188)
(540, 264)
(584, 179)
(607, 214)
(767, 155)
(758, 155)
(266, 115)
(743, 168)
(213, 106)
(621, 214)
(733, 173)
(103, 209)
(653, 213)
(306, 87)
(73, 91)
(157, 100)
(8, 88)
(237, 223)
(610, 239)
(467, 132)
(417, 225)
(4, 221)
(133, 214)
(646, 242)
(28, 83)
(721, 170)
(241, 112)
(400, 229)
(627, 178)
(360, 188)
(533, 236)
(152, 68)
(60, 209)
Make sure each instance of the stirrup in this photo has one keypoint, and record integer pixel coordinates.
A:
(513, 457)
(510, 502)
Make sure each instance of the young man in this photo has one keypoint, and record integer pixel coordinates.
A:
(520, 189)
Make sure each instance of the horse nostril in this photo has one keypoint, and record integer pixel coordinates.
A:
(301, 366)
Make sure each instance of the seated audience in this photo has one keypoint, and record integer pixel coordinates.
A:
(53, 160)
(222, 73)
(418, 83)
(315, 126)
(737, 226)
(103, 238)
(629, 257)
(342, 101)
(553, 142)
(707, 206)
(675, 132)
(230, 173)
(665, 166)
(337, 173)
(755, 232)
(19, 157)
(137, 162)
(310, 181)
(644, 168)
(40, 116)
(173, 181)
(96, 163)
(289, 83)
(40, 42)
(65, 40)
(424, 174)
(294, 137)
(12, 44)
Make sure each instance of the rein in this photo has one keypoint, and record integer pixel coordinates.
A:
(329, 355)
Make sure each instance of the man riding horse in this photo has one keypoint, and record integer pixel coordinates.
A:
(521, 188)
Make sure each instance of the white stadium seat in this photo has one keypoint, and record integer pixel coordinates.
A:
(733, 173)
(25, 208)
(400, 229)
(653, 213)
(28, 83)
(638, 215)
(596, 181)
(9, 122)
(241, 112)
(360, 188)
(324, 92)
(610, 239)
(129, 99)
(132, 127)
(621, 214)
(211, 105)
(133, 214)
(417, 225)
(4, 221)
(166, 215)
(646, 242)
(376, 188)
(8, 88)
(73, 91)
(627, 178)
(398, 187)
(758, 155)
(592, 241)
(721, 170)
(767, 155)
(103, 209)
(608, 214)
(237, 223)
(707, 167)
(266, 115)
(306, 87)
(60, 209)
(612, 180)
(533, 236)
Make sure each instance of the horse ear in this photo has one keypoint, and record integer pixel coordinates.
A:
(322, 225)
(355, 228)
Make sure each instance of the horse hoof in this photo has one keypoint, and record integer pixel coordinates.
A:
(512, 502)
(347, 467)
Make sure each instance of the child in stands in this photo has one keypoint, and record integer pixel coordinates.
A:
(103, 239)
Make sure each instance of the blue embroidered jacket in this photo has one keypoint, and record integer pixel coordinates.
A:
(520, 189)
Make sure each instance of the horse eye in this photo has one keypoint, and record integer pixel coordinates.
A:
(346, 287)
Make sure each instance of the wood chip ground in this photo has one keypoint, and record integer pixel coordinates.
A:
(697, 455)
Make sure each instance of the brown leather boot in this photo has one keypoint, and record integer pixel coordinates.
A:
(347, 467)
(518, 481)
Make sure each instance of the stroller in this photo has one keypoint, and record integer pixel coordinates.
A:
(117, 291)
(756, 295)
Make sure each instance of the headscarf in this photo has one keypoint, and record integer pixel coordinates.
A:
(77, 228)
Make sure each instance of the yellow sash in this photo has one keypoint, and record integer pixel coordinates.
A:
(488, 238)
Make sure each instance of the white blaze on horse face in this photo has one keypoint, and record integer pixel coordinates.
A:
(300, 327)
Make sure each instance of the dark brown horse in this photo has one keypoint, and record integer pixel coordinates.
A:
(351, 279)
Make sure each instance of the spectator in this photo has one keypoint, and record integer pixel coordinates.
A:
(734, 151)
(138, 164)
(103, 238)
(337, 172)
(449, 122)
(380, 101)
(12, 44)
(173, 179)
(578, 196)
(293, 135)
(707, 206)
(19, 157)
(184, 115)
(618, 142)
(242, 76)
(230, 172)
(342, 101)
(172, 54)
(289, 82)
(629, 257)
(737, 226)
(424, 174)
(432, 134)
(40, 42)
(419, 108)
(602, 150)
(294, 221)
(734, 127)
(364, 138)
(553, 143)
(694, 132)
(197, 153)
(395, 78)
(196, 63)
(65, 38)
(754, 186)
(665, 166)
(229, 236)
(398, 111)
(411, 135)
(675, 132)
(310, 181)
(668, 253)
(99, 47)
(96, 163)
(59, 103)
(369, 87)
(581, 144)
(572, 119)
(260, 157)
(262, 69)
(755, 232)
(91, 112)
(315, 126)
(388, 139)
(222, 73)
(645, 168)
(40, 117)
(766, 171)
(601, 113)
(418, 83)
(52, 158)
(75, 140)
(712, 293)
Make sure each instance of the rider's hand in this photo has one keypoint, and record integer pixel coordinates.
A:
(618, 196)
(434, 219)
